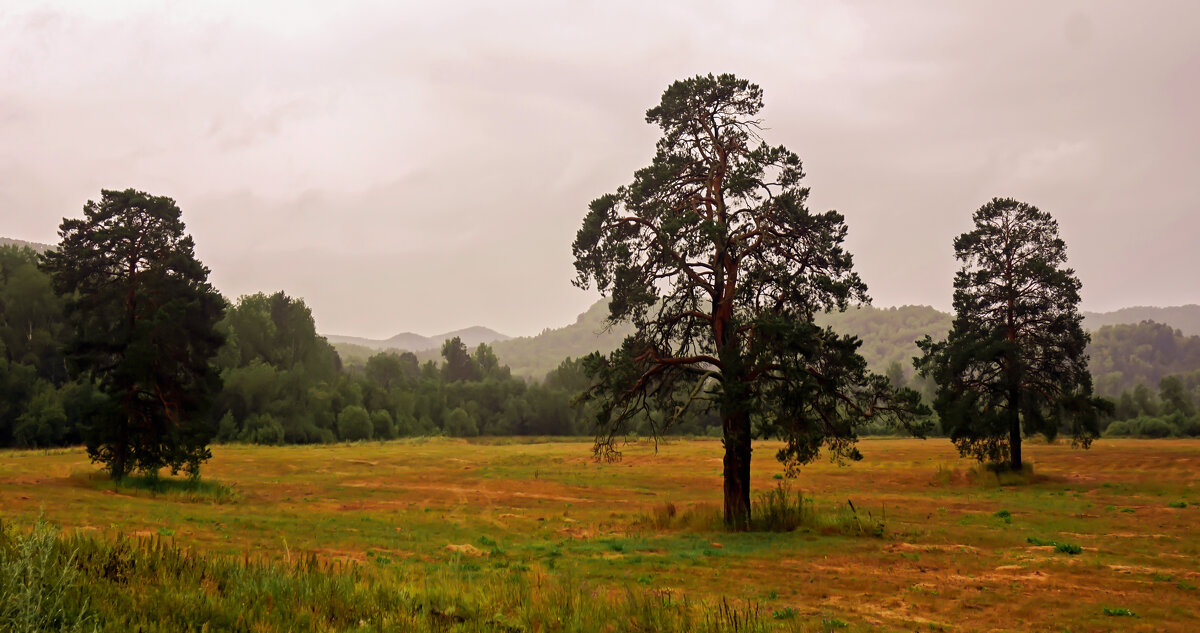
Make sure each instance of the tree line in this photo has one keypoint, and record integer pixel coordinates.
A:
(280, 382)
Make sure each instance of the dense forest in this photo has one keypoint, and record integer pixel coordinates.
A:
(284, 383)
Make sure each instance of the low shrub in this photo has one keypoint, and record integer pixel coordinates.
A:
(1065, 548)
(1175, 425)
(1068, 548)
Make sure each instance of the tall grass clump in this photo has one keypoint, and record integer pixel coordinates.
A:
(699, 517)
(783, 510)
(39, 583)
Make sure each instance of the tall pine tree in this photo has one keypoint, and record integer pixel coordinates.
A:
(142, 316)
(1014, 362)
(713, 255)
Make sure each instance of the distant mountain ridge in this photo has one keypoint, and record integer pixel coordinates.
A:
(411, 342)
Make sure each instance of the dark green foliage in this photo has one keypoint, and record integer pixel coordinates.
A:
(459, 423)
(383, 426)
(1139, 413)
(1068, 548)
(1014, 362)
(1141, 427)
(713, 257)
(142, 318)
(354, 423)
(39, 406)
(459, 365)
(283, 382)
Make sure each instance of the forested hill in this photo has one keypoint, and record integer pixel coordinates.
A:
(888, 335)
(1185, 318)
(534, 356)
(1123, 355)
(37, 246)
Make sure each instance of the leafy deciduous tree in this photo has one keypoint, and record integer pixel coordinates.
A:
(459, 365)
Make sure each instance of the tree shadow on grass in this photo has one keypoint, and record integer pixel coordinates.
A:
(183, 489)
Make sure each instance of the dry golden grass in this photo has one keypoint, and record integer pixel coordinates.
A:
(947, 559)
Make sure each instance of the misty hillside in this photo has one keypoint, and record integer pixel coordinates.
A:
(1183, 318)
(408, 341)
(534, 356)
(37, 246)
(887, 333)
(1123, 354)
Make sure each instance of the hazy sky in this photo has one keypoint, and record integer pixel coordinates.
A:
(424, 166)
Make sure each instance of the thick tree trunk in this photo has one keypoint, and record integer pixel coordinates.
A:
(737, 472)
(1014, 428)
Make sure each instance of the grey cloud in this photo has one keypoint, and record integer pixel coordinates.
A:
(424, 167)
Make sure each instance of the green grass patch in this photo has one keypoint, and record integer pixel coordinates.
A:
(50, 582)
(1068, 548)
(186, 489)
(1064, 548)
(1119, 612)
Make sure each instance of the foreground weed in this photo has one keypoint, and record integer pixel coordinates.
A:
(1119, 612)
(47, 581)
(38, 583)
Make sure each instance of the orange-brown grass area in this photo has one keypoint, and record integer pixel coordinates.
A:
(959, 551)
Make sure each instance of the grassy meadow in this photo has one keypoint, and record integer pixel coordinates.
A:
(512, 535)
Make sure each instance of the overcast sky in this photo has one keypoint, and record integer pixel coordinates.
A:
(425, 166)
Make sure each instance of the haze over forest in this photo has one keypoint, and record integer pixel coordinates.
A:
(424, 167)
